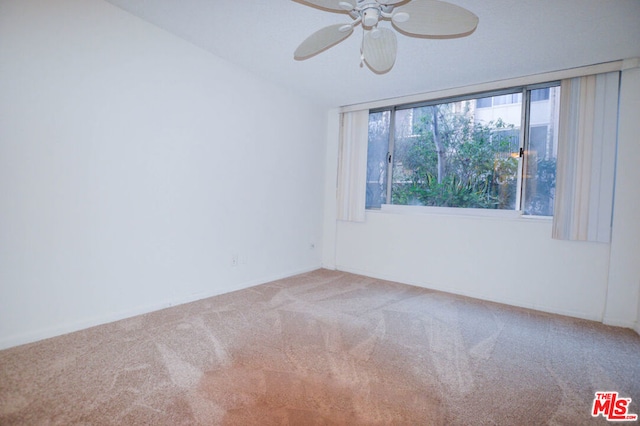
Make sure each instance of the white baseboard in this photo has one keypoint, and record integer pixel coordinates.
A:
(616, 322)
(60, 329)
(480, 296)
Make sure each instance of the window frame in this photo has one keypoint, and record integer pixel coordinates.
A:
(525, 91)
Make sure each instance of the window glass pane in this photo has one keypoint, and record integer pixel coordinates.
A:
(377, 159)
(466, 153)
(454, 155)
(540, 94)
(484, 102)
(512, 98)
(539, 176)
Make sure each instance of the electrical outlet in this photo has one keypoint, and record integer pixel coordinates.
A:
(234, 259)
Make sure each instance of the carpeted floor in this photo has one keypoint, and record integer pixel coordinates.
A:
(324, 348)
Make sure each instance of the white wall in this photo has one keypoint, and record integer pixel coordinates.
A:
(330, 187)
(133, 165)
(623, 297)
(513, 261)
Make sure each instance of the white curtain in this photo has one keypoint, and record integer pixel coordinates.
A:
(352, 165)
(586, 158)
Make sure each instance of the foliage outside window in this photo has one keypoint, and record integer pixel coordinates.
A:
(491, 151)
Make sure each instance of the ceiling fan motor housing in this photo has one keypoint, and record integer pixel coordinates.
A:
(370, 16)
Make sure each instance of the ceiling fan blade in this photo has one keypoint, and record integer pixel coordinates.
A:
(322, 40)
(379, 49)
(433, 19)
(336, 5)
(389, 2)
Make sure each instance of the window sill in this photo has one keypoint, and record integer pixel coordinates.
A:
(459, 212)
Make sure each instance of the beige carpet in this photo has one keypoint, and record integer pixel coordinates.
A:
(324, 348)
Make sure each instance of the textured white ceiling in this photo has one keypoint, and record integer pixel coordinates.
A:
(514, 38)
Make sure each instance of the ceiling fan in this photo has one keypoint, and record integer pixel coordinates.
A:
(414, 18)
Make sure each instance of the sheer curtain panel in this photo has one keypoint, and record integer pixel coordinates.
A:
(586, 158)
(352, 165)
